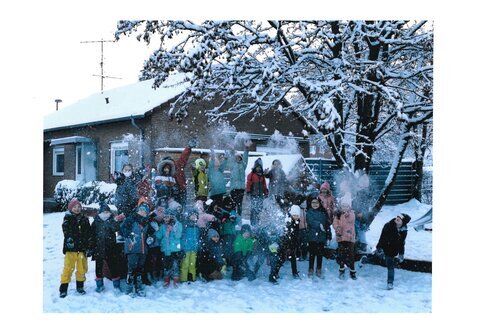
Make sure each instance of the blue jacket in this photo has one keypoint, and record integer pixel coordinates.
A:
(216, 178)
(190, 237)
(134, 231)
(237, 171)
(317, 225)
(171, 243)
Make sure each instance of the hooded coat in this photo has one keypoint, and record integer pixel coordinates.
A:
(77, 228)
(237, 171)
(327, 201)
(256, 184)
(166, 185)
(344, 225)
(216, 179)
(392, 239)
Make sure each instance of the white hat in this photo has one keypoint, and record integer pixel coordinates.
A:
(295, 210)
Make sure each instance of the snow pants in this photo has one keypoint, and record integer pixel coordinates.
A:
(72, 260)
(316, 250)
(189, 263)
(346, 255)
(136, 262)
(172, 265)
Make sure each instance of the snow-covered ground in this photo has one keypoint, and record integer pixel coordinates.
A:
(368, 294)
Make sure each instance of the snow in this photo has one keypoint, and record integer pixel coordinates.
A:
(132, 100)
(412, 292)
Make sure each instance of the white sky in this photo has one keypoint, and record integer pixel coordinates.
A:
(41, 59)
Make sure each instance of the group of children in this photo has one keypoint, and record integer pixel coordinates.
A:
(154, 236)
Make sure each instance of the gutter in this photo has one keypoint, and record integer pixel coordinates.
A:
(142, 140)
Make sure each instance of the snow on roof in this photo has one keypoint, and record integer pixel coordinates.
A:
(131, 100)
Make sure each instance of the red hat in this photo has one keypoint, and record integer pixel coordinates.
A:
(325, 185)
(72, 203)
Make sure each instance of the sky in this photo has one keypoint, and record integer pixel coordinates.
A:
(41, 51)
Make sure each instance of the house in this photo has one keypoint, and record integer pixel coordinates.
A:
(94, 137)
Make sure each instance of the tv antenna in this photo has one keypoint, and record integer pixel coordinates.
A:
(101, 75)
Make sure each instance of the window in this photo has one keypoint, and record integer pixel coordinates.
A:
(79, 160)
(58, 161)
(118, 156)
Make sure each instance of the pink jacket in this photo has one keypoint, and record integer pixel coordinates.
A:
(345, 226)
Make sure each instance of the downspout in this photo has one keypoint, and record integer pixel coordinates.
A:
(142, 140)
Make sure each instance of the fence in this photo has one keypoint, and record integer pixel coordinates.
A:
(402, 190)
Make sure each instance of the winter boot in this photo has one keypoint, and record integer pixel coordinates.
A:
(145, 279)
(63, 290)
(310, 273)
(341, 273)
(139, 288)
(353, 274)
(319, 274)
(176, 280)
(389, 286)
(272, 278)
(80, 289)
(116, 284)
(129, 287)
(100, 285)
(166, 282)
(296, 276)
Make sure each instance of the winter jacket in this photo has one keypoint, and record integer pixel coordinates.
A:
(290, 240)
(210, 257)
(200, 181)
(216, 178)
(170, 237)
(277, 181)
(126, 196)
(228, 227)
(76, 230)
(134, 230)
(256, 185)
(166, 185)
(190, 236)
(104, 236)
(237, 171)
(245, 246)
(392, 239)
(344, 226)
(318, 226)
(327, 201)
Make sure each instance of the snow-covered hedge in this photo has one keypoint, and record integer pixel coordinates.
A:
(88, 193)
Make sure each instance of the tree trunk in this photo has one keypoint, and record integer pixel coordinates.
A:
(392, 176)
(420, 150)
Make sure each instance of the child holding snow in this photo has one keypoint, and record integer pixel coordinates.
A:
(105, 249)
(169, 235)
(216, 178)
(238, 164)
(344, 226)
(318, 233)
(228, 222)
(243, 247)
(257, 190)
(126, 194)
(165, 183)
(200, 180)
(392, 243)
(134, 230)
(77, 244)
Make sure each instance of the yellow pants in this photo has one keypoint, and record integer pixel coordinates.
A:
(188, 266)
(73, 259)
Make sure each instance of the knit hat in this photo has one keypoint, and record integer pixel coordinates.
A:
(200, 162)
(295, 210)
(72, 203)
(211, 233)
(245, 228)
(325, 185)
(406, 219)
(102, 207)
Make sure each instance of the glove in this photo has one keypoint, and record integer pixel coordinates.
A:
(89, 253)
(154, 225)
(70, 244)
(120, 217)
(149, 241)
(400, 258)
(192, 143)
(273, 247)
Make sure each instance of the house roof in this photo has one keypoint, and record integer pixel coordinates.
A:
(123, 102)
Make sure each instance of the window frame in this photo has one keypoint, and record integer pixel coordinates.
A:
(56, 152)
(116, 146)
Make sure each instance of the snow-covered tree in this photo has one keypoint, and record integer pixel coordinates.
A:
(352, 81)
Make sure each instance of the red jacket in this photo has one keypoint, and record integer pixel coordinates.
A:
(256, 185)
(180, 168)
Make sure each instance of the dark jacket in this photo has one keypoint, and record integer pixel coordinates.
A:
(210, 258)
(104, 244)
(290, 240)
(277, 181)
(316, 221)
(126, 196)
(392, 239)
(134, 230)
(78, 229)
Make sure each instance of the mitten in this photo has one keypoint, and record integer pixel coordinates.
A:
(154, 225)
(400, 258)
(149, 241)
(70, 244)
(192, 143)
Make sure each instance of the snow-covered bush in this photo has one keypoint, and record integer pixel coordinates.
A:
(87, 193)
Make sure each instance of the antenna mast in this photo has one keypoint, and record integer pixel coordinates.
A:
(101, 62)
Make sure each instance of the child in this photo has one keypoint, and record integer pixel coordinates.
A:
(153, 263)
(392, 243)
(318, 232)
(200, 180)
(257, 190)
(211, 257)
(165, 183)
(77, 245)
(216, 178)
(104, 228)
(190, 244)
(169, 235)
(228, 222)
(327, 200)
(344, 225)
(277, 183)
(134, 231)
(287, 246)
(242, 250)
(126, 195)
(238, 164)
